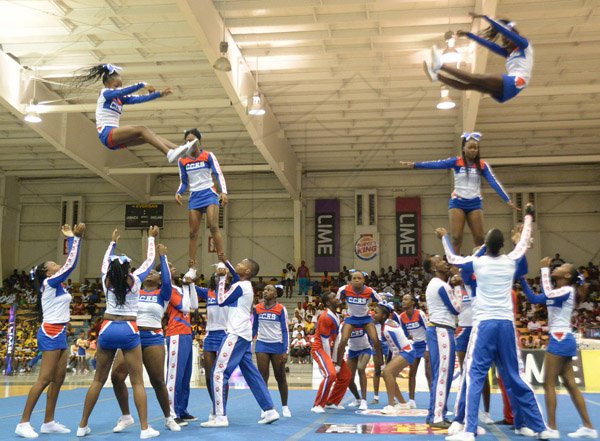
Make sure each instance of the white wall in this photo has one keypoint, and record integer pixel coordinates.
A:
(261, 226)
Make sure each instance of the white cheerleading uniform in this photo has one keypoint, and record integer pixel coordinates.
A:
(493, 337)
(397, 341)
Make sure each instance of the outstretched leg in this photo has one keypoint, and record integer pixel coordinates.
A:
(492, 84)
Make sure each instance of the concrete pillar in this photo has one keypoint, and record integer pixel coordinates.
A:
(10, 210)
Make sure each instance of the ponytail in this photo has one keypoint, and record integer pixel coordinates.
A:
(491, 33)
(118, 276)
(95, 73)
(38, 275)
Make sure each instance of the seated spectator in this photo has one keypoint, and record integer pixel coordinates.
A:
(298, 331)
(78, 307)
(325, 280)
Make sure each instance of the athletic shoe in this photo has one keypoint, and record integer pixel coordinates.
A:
(485, 418)
(375, 400)
(26, 430)
(363, 405)
(189, 418)
(525, 431)
(178, 152)
(149, 433)
(285, 411)
(436, 59)
(402, 406)
(123, 422)
(190, 146)
(219, 421)
(353, 403)
(429, 72)
(191, 274)
(270, 417)
(442, 425)
(83, 431)
(334, 406)
(584, 432)
(181, 422)
(455, 428)
(54, 427)
(481, 431)
(211, 416)
(389, 410)
(317, 409)
(462, 436)
(549, 434)
(172, 425)
(412, 404)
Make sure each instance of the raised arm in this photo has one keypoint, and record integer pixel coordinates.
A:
(146, 266)
(556, 294)
(74, 242)
(517, 39)
(442, 164)
(226, 298)
(110, 251)
(165, 277)
(453, 259)
(494, 47)
(122, 92)
(521, 246)
(138, 99)
(534, 298)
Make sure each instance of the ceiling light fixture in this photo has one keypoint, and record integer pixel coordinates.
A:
(450, 54)
(31, 114)
(446, 102)
(222, 64)
(256, 108)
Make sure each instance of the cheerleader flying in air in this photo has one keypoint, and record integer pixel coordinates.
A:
(516, 49)
(466, 203)
(110, 108)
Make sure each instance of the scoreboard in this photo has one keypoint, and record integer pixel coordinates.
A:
(142, 216)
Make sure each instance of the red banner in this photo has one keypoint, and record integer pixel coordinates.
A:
(408, 231)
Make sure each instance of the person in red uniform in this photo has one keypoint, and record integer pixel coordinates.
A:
(322, 350)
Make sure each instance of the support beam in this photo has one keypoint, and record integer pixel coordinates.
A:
(71, 134)
(206, 23)
(470, 98)
(163, 104)
(249, 168)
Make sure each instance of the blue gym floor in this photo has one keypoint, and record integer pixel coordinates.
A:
(244, 413)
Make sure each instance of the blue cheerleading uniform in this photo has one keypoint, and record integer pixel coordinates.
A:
(467, 182)
(270, 327)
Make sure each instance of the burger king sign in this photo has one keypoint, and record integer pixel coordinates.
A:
(366, 247)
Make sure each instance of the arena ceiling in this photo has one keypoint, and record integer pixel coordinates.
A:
(342, 81)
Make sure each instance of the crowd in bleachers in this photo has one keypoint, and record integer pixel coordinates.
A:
(88, 306)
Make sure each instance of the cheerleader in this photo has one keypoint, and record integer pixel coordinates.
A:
(357, 296)
(466, 202)
(443, 303)
(270, 327)
(402, 355)
(53, 306)
(493, 335)
(119, 330)
(359, 354)
(154, 296)
(323, 353)
(516, 49)
(216, 326)
(110, 108)
(196, 173)
(414, 324)
(562, 347)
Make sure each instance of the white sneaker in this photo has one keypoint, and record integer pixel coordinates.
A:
(549, 434)
(211, 417)
(353, 403)
(334, 406)
(455, 428)
(412, 404)
(270, 417)
(436, 59)
(402, 406)
(317, 409)
(26, 430)
(83, 431)
(191, 274)
(431, 74)
(462, 436)
(178, 152)
(190, 146)
(54, 427)
(485, 418)
(218, 421)
(149, 433)
(363, 405)
(525, 431)
(172, 425)
(389, 410)
(285, 411)
(481, 431)
(123, 422)
(584, 432)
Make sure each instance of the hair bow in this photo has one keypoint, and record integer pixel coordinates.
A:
(471, 135)
(112, 68)
(122, 258)
(580, 278)
(352, 271)
(389, 306)
(278, 286)
(511, 24)
(32, 273)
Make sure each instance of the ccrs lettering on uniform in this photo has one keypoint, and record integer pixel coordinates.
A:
(325, 235)
(408, 241)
